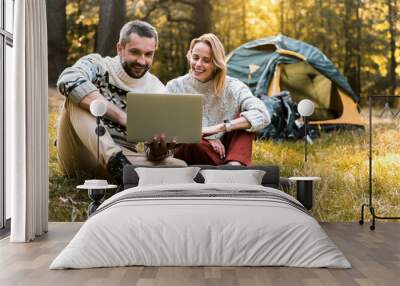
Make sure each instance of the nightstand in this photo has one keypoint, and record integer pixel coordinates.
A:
(304, 190)
(96, 193)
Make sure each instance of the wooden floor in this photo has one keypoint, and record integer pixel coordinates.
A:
(374, 255)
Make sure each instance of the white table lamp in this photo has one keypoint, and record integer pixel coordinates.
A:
(306, 109)
(98, 108)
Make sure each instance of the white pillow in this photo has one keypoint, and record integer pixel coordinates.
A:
(165, 176)
(248, 177)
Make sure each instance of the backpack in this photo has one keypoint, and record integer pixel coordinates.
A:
(284, 118)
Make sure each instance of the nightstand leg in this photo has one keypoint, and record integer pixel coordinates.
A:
(93, 207)
(305, 193)
(96, 195)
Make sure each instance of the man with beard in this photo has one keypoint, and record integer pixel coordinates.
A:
(110, 79)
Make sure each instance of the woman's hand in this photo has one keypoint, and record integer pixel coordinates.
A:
(211, 130)
(218, 147)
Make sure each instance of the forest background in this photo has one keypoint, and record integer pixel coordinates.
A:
(361, 37)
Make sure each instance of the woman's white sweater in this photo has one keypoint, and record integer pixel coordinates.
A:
(236, 100)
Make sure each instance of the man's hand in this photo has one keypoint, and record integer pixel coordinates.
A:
(158, 148)
(211, 130)
(218, 147)
(122, 118)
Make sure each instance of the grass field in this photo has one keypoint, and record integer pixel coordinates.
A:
(339, 158)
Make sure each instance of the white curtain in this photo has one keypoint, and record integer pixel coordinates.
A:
(26, 124)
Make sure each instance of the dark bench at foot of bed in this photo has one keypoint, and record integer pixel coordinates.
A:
(270, 179)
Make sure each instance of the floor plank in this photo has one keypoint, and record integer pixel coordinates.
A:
(374, 255)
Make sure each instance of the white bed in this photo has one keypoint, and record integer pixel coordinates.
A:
(224, 225)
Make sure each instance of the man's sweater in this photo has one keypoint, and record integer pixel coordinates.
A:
(236, 99)
(93, 72)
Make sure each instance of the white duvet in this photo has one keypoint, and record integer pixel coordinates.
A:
(183, 231)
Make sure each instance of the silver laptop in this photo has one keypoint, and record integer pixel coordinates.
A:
(177, 116)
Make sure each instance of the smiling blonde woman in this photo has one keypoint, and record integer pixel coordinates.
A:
(231, 113)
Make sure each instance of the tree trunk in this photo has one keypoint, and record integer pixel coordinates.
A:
(358, 50)
(321, 35)
(112, 18)
(229, 30)
(56, 38)
(244, 27)
(296, 19)
(327, 38)
(201, 18)
(282, 17)
(392, 31)
(349, 68)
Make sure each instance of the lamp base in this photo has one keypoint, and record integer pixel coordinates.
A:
(100, 130)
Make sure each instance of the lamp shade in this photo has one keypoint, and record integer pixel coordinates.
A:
(305, 107)
(98, 107)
